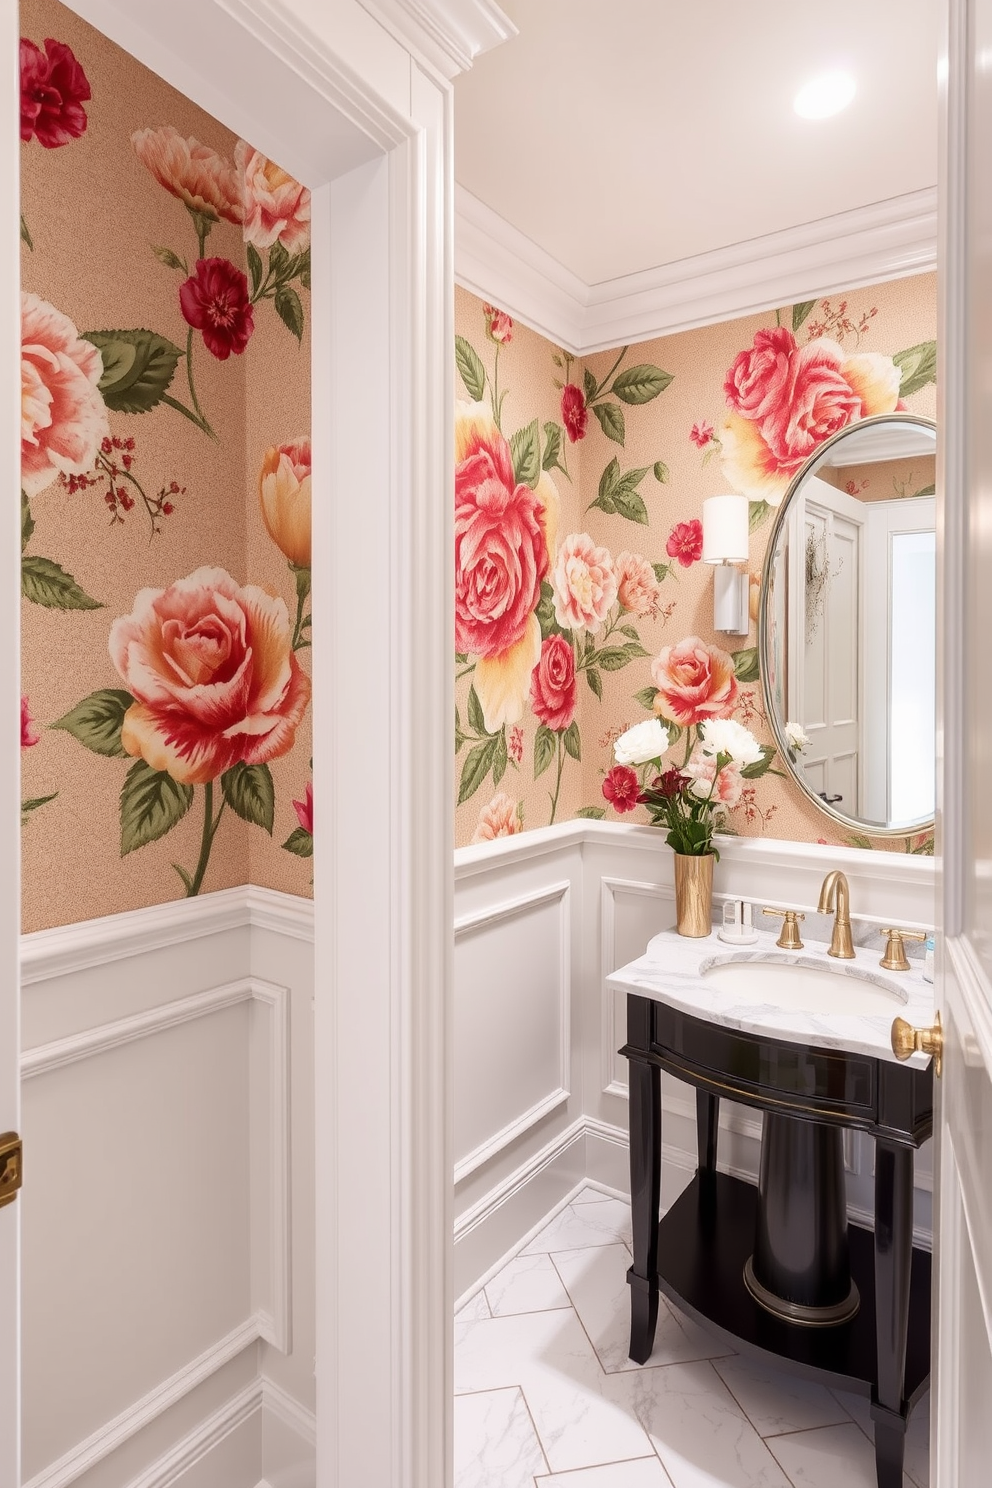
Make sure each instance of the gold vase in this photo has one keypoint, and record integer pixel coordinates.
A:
(694, 893)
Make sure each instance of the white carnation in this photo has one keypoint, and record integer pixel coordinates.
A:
(645, 741)
(796, 737)
(724, 736)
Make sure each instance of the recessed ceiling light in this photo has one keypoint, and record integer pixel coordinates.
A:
(824, 95)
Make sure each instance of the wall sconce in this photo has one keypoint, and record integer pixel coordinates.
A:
(725, 544)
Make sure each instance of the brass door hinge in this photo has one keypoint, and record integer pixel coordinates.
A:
(11, 1167)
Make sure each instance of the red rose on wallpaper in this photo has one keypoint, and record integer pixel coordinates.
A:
(276, 206)
(553, 692)
(621, 788)
(758, 381)
(215, 682)
(29, 734)
(701, 435)
(304, 809)
(685, 542)
(694, 681)
(204, 181)
(214, 301)
(63, 416)
(53, 90)
(499, 326)
(574, 413)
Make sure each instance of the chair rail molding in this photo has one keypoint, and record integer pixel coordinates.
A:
(884, 240)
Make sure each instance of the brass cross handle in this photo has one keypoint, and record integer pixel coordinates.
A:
(789, 939)
(907, 1040)
(895, 958)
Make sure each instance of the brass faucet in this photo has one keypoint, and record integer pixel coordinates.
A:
(835, 892)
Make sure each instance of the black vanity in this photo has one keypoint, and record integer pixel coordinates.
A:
(777, 1268)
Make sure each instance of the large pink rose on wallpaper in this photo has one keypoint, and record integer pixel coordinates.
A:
(215, 682)
(276, 206)
(695, 681)
(786, 399)
(63, 416)
(204, 181)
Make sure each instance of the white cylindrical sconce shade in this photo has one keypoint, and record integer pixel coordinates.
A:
(725, 529)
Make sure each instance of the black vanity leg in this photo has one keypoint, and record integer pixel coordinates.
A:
(645, 1197)
(707, 1126)
(893, 1269)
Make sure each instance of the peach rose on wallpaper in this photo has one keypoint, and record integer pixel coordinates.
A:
(215, 682)
(553, 692)
(638, 589)
(785, 400)
(501, 558)
(63, 416)
(695, 681)
(284, 494)
(194, 173)
(584, 582)
(276, 206)
(500, 818)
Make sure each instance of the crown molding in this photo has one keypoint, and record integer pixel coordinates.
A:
(449, 33)
(887, 240)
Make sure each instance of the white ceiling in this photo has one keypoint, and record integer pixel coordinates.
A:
(621, 135)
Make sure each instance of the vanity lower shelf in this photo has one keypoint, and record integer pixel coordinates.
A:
(703, 1243)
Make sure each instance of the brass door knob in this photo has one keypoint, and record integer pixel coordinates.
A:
(907, 1040)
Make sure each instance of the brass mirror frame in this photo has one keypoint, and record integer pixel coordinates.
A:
(854, 823)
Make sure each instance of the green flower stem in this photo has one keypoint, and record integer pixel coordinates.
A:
(466, 673)
(200, 421)
(201, 417)
(210, 825)
(298, 641)
(601, 388)
(561, 766)
(688, 744)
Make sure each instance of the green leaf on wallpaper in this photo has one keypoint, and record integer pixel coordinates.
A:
(470, 368)
(477, 765)
(45, 583)
(572, 741)
(662, 571)
(299, 842)
(27, 521)
(138, 367)
(255, 269)
(28, 806)
(249, 792)
(25, 235)
(757, 513)
(552, 447)
(627, 503)
(628, 630)
(289, 308)
(760, 766)
(646, 697)
(545, 749)
(303, 578)
(607, 485)
(169, 259)
(187, 879)
(151, 805)
(476, 717)
(660, 472)
(918, 366)
(930, 490)
(612, 658)
(595, 682)
(279, 260)
(746, 664)
(500, 756)
(97, 721)
(857, 840)
(641, 384)
(588, 384)
(592, 813)
(303, 272)
(525, 451)
(801, 313)
(611, 421)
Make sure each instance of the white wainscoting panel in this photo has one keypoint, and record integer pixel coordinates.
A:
(512, 1014)
(631, 912)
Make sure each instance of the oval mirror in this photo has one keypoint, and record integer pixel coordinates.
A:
(847, 626)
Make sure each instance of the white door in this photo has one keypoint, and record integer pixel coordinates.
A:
(961, 1414)
(10, 588)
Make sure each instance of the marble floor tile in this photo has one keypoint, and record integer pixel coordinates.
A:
(607, 1223)
(832, 1456)
(475, 1307)
(591, 1196)
(776, 1402)
(699, 1431)
(583, 1417)
(529, 1283)
(595, 1277)
(495, 1441)
(644, 1472)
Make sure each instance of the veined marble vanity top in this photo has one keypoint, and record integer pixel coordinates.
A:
(675, 970)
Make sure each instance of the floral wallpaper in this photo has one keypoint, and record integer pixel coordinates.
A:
(581, 603)
(165, 505)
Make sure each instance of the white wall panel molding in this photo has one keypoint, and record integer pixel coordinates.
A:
(516, 916)
(84, 1456)
(613, 1036)
(885, 240)
(71, 948)
(198, 1444)
(289, 1411)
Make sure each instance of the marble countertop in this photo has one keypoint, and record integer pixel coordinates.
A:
(672, 971)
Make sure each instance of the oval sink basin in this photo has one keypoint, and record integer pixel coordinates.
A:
(808, 987)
